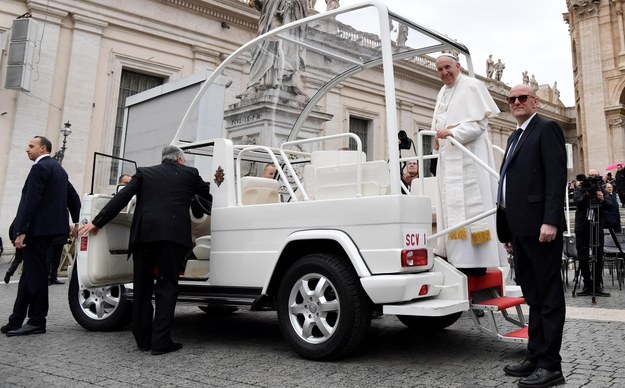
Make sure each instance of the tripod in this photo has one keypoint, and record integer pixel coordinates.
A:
(594, 245)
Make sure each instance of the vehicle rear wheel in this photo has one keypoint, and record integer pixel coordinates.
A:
(99, 309)
(429, 324)
(323, 312)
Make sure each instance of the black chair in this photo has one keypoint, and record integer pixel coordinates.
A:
(613, 256)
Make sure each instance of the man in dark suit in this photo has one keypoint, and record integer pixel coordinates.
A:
(160, 235)
(530, 222)
(590, 196)
(41, 218)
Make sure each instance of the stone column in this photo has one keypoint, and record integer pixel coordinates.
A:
(621, 34)
(80, 76)
(592, 100)
(617, 138)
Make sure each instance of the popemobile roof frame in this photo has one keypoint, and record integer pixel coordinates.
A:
(423, 41)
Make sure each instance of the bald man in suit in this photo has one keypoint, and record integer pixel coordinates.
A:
(42, 216)
(530, 222)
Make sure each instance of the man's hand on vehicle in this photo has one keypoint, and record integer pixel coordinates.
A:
(88, 228)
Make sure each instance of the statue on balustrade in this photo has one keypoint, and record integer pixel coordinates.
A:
(332, 4)
(277, 63)
(490, 66)
(499, 66)
(534, 83)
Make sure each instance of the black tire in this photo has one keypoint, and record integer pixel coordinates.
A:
(99, 309)
(429, 324)
(334, 319)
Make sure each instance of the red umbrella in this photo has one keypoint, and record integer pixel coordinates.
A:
(614, 165)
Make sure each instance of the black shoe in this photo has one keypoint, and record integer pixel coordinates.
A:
(522, 369)
(479, 313)
(55, 281)
(143, 348)
(172, 347)
(542, 378)
(6, 328)
(584, 292)
(27, 329)
(602, 293)
(7, 278)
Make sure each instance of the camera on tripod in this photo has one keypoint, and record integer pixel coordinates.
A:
(404, 141)
(591, 185)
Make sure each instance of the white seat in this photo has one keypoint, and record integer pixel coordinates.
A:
(430, 189)
(199, 268)
(256, 190)
(202, 249)
(332, 175)
(325, 158)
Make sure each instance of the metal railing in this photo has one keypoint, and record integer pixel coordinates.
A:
(480, 162)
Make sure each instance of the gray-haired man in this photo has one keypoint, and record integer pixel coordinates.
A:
(160, 235)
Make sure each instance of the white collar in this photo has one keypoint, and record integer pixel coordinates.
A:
(41, 157)
(526, 122)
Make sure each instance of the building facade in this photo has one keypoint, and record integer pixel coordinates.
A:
(87, 57)
(598, 43)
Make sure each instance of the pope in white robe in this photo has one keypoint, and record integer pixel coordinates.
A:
(466, 189)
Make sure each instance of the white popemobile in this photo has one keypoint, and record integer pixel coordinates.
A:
(332, 239)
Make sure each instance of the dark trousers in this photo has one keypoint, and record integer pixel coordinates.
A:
(537, 267)
(160, 260)
(54, 259)
(582, 245)
(32, 290)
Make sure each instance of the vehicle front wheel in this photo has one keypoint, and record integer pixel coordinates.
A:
(429, 324)
(323, 312)
(99, 309)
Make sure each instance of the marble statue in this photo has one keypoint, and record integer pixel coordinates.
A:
(402, 35)
(556, 92)
(499, 66)
(277, 64)
(490, 66)
(534, 83)
(332, 4)
(526, 78)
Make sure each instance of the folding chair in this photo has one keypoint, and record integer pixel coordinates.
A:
(614, 258)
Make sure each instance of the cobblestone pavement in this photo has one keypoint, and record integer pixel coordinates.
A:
(246, 349)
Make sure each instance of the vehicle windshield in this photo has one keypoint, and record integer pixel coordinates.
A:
(283, 85)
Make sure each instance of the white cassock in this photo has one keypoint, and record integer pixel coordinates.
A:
(465, 188)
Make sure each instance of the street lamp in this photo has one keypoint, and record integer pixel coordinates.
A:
(65, 131)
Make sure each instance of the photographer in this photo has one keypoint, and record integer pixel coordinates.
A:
(589, 199)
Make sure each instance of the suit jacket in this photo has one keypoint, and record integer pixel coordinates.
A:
(535, 182)
(164, 194)
(46, 197)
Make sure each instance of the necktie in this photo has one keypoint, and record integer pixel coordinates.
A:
(504, 169)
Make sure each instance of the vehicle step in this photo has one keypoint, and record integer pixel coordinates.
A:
(520, 335)
(499, 303)
(492, 278)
